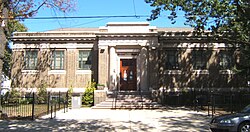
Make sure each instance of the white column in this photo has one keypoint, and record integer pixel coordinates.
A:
(143, 68)
(113, 68)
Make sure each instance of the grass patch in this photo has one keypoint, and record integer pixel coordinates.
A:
(25, 110)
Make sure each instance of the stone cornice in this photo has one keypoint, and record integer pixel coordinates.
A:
(189, 36)
(53, 39)
(153, 34)
(53, 36)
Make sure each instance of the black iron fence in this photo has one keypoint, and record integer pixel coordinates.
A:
(214, 103)
(32, 105)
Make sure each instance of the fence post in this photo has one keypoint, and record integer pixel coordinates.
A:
(59, 101)
(55, 111)
(67, 100)
(64, 106)
(48, 102)
(33, 107)
(195, 101)
(208, 112)
(51, 111)
(212, 104)
(208, 103)
(231, 103)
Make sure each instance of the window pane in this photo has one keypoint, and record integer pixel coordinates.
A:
(172, 60)
(225, 60)
(199, 60)
(30, 59)
(85, 59)
(57, 60)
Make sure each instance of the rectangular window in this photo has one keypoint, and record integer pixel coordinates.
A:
(199, 60)
(225, 60)
(85, 60)
(57, 62)
(172, 60)
(30, 60)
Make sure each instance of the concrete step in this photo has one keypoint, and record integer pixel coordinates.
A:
(127, 103)
(128, 100)
(128, 94)
(142, 106)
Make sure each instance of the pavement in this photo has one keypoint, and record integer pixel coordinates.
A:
(100, 120)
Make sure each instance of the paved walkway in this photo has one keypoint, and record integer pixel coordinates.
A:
(87, 119)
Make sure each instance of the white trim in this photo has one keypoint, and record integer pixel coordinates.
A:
(195, 45)
(201, 71)
(57, 89)
(83, 72)
(127, 56)
(57, 72)
(48, 46)
(128, 50)
(226, 72)
(168, 72)
(30, 71)
(75, 90)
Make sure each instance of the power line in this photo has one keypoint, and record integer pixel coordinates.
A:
(87, 23)
(83, 17)
(134, 7)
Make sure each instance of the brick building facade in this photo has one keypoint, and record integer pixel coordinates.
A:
(123, 56)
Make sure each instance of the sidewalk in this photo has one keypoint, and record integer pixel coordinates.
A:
(87, 119)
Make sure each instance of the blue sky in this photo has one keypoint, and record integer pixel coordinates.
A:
(100, 8)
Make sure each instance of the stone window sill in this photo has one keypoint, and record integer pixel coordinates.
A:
(83, 72)
(57, 72)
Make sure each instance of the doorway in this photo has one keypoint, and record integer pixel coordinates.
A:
(128, 74)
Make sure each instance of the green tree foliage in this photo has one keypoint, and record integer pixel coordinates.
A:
(42, 93)
(227, 18)
(70, 92)
(12, 26)
(224, 17)
(12, 11)
(88, 95)
(15, 26)
(13, 96)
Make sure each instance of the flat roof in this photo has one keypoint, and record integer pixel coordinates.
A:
(75, 29)
(128, 24)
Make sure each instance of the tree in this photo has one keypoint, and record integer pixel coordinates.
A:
(12, 26)
(13, 10)
(229, 18)
(224, 17)
(28, 8)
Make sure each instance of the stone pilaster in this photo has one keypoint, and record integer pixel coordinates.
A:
(103, 76)
(71, 66)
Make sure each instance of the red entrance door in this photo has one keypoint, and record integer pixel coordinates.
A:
(128, 74)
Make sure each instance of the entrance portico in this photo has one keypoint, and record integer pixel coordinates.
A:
(125, 55)
(128, 68)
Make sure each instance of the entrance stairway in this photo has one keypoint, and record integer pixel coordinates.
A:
(128, 100)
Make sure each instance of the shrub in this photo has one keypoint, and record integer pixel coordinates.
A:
(70, 91)
(14, 96)
(88, 95)
(42, 93)
(26, 101)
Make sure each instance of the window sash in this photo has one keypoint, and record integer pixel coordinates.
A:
(30, 60)
(200, 60)
(225, 60)
(172, 60)
(57, 60)
(85, 60)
